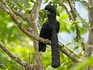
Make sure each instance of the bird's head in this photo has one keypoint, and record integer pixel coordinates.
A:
(50, 10)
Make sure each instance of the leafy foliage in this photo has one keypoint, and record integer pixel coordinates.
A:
(83, 64)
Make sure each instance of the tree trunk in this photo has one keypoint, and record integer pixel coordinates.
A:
(89, 47)
(34, 22)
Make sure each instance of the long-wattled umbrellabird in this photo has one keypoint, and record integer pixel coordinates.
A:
(49, 31)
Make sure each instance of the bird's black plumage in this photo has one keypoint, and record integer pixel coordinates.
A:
(49, 31)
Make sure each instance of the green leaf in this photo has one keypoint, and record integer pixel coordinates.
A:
(81, 40)
(83, 64)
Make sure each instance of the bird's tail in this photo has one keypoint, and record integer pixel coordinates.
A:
(55, 50)
(42, 47)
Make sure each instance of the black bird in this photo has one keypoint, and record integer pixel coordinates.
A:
(49, 31)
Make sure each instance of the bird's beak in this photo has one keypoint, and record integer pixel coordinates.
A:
(47, 12)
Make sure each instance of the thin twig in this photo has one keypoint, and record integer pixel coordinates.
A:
(77, 27)
(62, 4)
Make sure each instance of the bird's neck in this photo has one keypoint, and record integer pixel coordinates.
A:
(52, 17)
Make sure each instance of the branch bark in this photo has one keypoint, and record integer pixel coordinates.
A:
(89, 48)
(34, 21)
(20, 14)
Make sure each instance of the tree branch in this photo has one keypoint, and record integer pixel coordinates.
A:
(78, 36)
(17, 59)
(34, 21)
(89, 48)
(62, 4)
(20, 14)
(69, 53)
